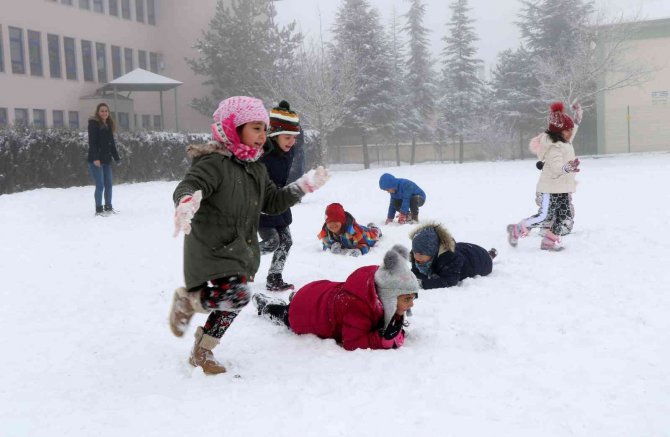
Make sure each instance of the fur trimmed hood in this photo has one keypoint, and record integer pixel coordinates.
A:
(197, 150)
(447, 242)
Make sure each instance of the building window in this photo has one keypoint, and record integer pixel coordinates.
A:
(66, 2)
(35, 53)
(124, 120)
(2, 54)
(3, 117)
(39, 118)
(157, 122)
(85, 4)
(125, 9)
(21, 116)
(16, 50)
(153, 62)
(98, 6)
(146, 121)
(53, 45)
(151, 11)
(117, 71)
(114, 7)
(659, 97)
(128, 54)
(139, 10)
(101, 56)
(142, 55)
(87, 59)
(58, 118)
(73, 118)
(70, 58)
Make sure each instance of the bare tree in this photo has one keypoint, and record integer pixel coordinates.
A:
(319, 92)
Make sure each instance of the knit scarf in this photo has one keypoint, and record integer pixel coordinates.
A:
(425, 268)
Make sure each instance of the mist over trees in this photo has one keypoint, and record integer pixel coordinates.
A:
(381, 82)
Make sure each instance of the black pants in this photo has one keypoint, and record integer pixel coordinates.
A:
(225, 297)
(556, 213)
(414, 203)
(279, 241)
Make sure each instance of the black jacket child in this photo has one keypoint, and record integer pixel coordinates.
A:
(278, 163)
(101, 145)
(454, 261)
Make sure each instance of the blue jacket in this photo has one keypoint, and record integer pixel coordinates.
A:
(404, 190)
(278, 163)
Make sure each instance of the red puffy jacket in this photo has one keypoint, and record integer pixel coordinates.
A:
(348, 312)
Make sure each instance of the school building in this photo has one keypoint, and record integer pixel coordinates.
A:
(57, 55)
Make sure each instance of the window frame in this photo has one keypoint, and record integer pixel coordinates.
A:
(85, 4)
(2, 52)
(25, 122)
(128, 56)
(54, 55)
(117, 66)
(70, 57)
(126, 13)
(99, 6)
(54, 119)
(139, 11)
(35, 52)
(87, 57)
(70, 119)
(151, 12)
(101, 61)
(4, 117)
(113, 10)
(16, 47)
(153, 62)
(42, 119)
(142, 59)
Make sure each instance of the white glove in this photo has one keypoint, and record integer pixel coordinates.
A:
(188, 205)
(313, 180)
(336, 248)
(577, 113)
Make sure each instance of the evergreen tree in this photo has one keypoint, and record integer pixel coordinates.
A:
(421, 90)
(461, 86)
(242, 50)
(398, 91)
(359, 35)
(514, 95)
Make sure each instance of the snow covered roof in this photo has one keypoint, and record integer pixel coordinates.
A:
(141, 80)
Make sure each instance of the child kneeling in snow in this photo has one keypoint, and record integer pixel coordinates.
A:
(438, 261)
(366, 311)
(406, 198)
(342, 235)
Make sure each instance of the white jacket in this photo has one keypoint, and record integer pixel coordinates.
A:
(555, 155)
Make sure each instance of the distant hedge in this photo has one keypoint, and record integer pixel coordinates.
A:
(56, 158)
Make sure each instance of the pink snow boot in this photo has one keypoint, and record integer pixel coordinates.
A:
(551, 242)
(516, 231)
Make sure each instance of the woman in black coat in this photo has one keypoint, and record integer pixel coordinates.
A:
(438, 261)
(101, 151)
(274, 229)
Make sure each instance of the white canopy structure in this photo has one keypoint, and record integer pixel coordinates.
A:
(143, 80)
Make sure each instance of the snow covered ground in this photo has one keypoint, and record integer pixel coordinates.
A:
(575, 343)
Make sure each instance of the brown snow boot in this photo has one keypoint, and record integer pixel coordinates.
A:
(184, 305)
(202, 356)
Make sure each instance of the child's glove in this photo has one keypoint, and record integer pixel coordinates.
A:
(188, 205)
(402, 218)
(571, 166)
(336, 248)
(313, 180)
(388, 220)
(577, 113)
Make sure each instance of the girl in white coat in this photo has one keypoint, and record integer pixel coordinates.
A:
(557, 181)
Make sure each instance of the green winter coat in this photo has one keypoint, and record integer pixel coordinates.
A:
(223, 239)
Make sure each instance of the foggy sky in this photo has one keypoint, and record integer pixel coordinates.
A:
(494, 19)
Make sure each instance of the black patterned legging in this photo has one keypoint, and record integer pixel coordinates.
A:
(556, 212)
(279, 241)
(226, 297)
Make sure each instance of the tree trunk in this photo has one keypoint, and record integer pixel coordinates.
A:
(366, 153)
(413, 155)
(397, 153)
(460, 149)
(521, 142)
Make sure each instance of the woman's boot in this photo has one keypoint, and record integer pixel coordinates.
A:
(184, 305)
(551, 241)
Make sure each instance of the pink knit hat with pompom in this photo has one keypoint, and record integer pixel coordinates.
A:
(245, 109)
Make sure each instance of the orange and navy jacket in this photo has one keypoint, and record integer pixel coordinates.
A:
(353, 236)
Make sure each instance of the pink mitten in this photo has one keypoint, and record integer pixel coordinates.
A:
(313, 180)
(188, 205)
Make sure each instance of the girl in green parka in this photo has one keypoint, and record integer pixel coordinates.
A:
(217, 207)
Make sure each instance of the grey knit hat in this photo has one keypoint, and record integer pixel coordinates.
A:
(426, 242)
(394, 278)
